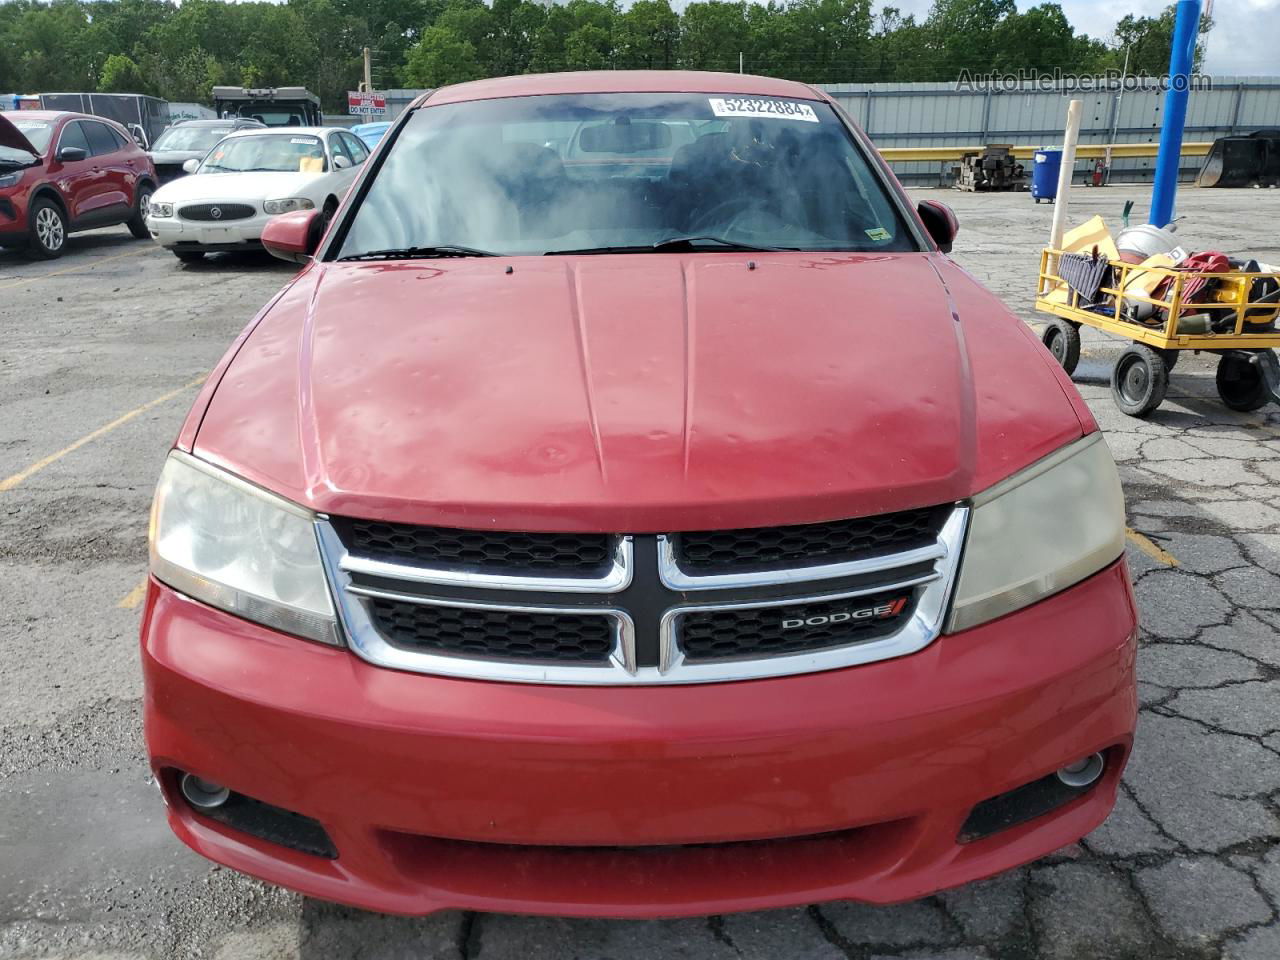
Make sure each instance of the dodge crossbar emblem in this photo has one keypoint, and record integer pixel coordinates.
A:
(881, 611)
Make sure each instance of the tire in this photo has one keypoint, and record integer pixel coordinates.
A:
(1240, 383)
(1139, 381)
(1170, 358)
(189, 256)
(48, 229)
(137, 224)
(1063, 341)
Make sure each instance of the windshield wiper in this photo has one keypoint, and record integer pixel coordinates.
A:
(674, 245)
(420, 253)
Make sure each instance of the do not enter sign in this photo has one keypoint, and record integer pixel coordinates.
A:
(372, 103)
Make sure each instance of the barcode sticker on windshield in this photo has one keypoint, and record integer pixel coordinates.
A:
(764, 109)
(309, 141)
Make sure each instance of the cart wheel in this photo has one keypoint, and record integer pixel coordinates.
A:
(1139, 381)
(1170, 357)
(1063, 340)
(1240, 383)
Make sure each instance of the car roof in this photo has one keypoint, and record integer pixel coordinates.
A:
(46, 114)
(621, 81)
(296, 131)
(219, 122)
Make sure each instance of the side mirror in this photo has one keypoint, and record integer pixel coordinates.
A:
(72, 154)
(293, 236)
(341, 163)
(191, 166)
(940, 221)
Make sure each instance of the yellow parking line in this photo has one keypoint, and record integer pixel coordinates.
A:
(78, 266)
(11, 482)
(134, 596)
(1149, 548)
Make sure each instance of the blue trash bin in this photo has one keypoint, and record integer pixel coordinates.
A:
(1044, 174)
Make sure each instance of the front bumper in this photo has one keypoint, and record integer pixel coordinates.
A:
(173, 233)
(445, 793)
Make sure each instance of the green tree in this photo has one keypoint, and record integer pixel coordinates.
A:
(1149, 39)
(443, 55)
(713, 34)
(646, 36)
(121, 75)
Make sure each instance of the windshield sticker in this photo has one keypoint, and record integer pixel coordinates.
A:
(309, 141)
(878, 233)
(762, 109)
(30, 125)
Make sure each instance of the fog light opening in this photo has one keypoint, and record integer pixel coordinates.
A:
(203, 794)
(1083, 772)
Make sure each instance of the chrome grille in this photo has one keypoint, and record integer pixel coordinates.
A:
(579, 554)
(807, 544)
(767, 630)
(216, 212)
(615, 609)
(481, 632)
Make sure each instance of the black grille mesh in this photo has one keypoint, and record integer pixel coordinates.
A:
(226, 211)
(563, 553)
(502, 634)
(725, 634)
(807, 544)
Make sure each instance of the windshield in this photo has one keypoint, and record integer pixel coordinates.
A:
(625, 172)
(37, 132)
(190, 138)
(274, 114)
(271, 152)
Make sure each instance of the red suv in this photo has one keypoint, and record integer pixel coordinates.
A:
(63, 172)
(661, 526)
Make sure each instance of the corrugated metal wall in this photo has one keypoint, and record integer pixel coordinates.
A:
(937, 114)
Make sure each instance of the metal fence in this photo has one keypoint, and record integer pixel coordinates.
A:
(939, 115)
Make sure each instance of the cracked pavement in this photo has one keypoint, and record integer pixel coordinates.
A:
(1188, 865)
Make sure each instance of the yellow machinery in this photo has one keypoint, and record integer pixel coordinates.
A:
(1232, 314)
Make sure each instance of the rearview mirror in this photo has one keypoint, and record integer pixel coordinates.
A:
(191, 166)
(293, 236)
(72, 154)
(940, 221)
(341, 163)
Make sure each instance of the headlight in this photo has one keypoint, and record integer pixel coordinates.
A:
(234, 546)
(288, 205)
(160, 209)
(1040, 531)
(10, 179)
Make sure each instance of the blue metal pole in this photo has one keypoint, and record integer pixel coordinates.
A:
(1185, 28)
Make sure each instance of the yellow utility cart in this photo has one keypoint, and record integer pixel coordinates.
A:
(1165, 311)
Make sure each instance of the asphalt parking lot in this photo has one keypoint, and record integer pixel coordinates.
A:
(100, 356)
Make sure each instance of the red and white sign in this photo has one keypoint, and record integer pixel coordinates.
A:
(371, 103)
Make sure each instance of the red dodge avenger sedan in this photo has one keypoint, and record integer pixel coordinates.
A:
(630, 510)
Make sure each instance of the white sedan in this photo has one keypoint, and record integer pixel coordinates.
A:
(247, 178)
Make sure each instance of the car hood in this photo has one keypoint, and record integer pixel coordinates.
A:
(235, 186)
(635, 393)
(176, 156)
(12, 137)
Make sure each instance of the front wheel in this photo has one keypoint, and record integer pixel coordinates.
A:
(1139, 381)
(1240, 383)
(137, 224)
(48, 229)
(1063, 340)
